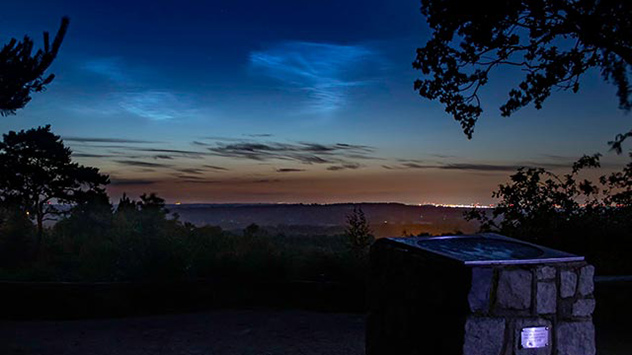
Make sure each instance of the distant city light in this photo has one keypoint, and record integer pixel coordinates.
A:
(474, 205)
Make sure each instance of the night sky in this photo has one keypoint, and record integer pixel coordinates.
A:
(284, 101)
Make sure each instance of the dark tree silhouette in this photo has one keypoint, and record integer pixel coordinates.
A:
(358, 231)
(565, 211)
(36, 173)
(154, 204)
(554, 42)
(22, 72)
(251, 230)
(148, 215)
(16, 232)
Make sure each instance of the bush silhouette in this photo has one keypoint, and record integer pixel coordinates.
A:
(566, 212)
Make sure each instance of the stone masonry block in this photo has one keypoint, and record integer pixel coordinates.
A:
(586, 284)
(568, 283)
(484, 336)
(480, 292)
(514, 289)
(546, 298)
(575, 338)
(545, 273)
(583, 307)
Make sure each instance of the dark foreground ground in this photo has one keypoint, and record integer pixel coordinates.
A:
(224, 332)
(230, 329)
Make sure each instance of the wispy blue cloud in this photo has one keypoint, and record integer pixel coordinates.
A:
(154, 105)
(110, 68)
(325, 72)
(133, 94)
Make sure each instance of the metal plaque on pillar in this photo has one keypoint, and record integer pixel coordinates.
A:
(534, 337)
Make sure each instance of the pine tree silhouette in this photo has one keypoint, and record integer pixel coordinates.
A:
(22, 73)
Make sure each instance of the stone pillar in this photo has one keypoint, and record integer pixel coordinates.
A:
(575, 333)
(504, 300)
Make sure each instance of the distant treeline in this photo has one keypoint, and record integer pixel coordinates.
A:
(386, 219)
(138, 241)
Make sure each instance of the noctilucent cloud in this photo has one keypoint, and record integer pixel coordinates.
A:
(285, 101)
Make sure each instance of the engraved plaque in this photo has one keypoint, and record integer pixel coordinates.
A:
(534, 337)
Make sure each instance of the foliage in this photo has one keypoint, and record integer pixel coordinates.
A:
(358, 231)
(566, 212)
(554, 42)
(16, 242)
(36, 172)
(140, 241)
(149, 245)
(252, 230)
(22, 73)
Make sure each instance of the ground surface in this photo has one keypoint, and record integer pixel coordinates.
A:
(226, 332)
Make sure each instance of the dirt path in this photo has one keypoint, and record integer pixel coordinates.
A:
(226, 332)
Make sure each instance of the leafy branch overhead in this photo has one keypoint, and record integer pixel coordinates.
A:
(553, 42)
(22, 72)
